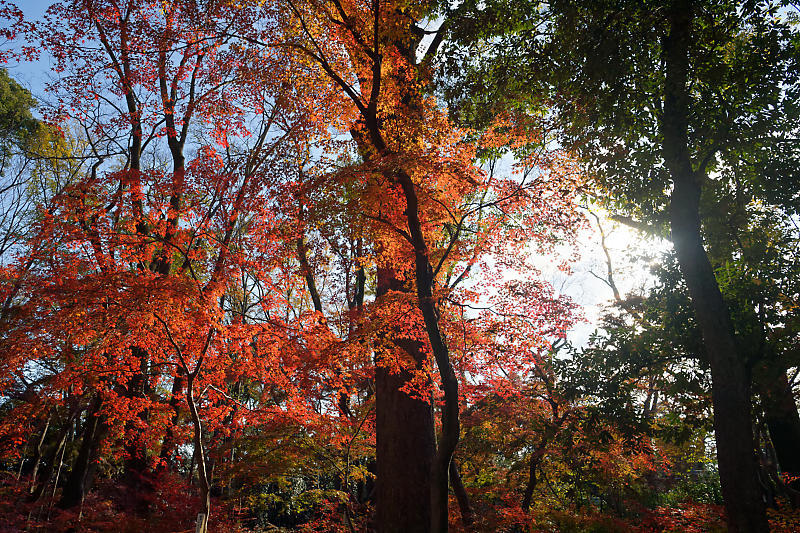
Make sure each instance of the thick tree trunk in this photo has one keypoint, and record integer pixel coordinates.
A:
(405, 442)
(405, 450)
(423, 278)
(730, 378)
(738, 468)
(371, 142)
(451, 425)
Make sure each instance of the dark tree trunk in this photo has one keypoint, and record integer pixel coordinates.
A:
(738, 468)
(37, 452)
(783, 422)
(137, 467)
(82, 473)
(405, 441)
(424, 282)
(371, 142)
(730, 377)
(533, 466)
(461, 495)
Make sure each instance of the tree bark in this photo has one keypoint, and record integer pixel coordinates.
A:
(405, 442)
(423, 278)
(533, 465)
(203, 476)
(738, 468)
(372, 142)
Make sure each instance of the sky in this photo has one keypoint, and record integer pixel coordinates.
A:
(31, 75)
(631, 273)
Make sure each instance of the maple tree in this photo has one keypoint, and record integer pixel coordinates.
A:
(139, 255)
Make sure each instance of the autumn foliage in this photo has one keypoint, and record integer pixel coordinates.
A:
(266, 220)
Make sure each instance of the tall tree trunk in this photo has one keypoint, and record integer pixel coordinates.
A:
(371, 142)
(738, 468)
(405, 442)
(424, 284)
(406, 451)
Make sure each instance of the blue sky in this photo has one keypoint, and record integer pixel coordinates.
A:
(31, 75)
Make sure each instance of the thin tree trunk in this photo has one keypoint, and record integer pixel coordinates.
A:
(461, 495)
(39, 485)
(168, 444)
(37, 453)
(737, 461)
(533, 465)
(200, 453)
(343, 401)
(22, 461)
(58, 474)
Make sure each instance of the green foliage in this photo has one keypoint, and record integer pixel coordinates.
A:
(644, 347)
(17, 124)
(697, 485)
(598, 67)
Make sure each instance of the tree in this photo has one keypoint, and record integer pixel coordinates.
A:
(422, 181)
(655, 99)
(140, 252)
(182, 295)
